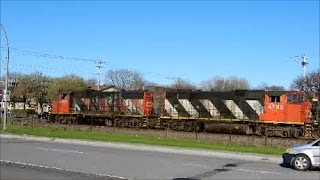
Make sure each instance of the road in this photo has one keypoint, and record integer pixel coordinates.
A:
(22, 171)
(63, 159)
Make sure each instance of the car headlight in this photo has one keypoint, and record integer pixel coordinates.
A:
(289, 150)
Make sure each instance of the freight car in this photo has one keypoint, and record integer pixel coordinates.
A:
(252, 112)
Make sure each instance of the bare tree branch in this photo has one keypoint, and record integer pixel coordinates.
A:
(125, 79)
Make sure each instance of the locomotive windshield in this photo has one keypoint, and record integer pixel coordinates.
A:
(275, 98)
(294, 98)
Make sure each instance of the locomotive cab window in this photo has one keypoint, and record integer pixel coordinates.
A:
(274, 98)
(294, 98)
(63, 96)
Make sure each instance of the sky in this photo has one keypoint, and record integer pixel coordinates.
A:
(193, 40)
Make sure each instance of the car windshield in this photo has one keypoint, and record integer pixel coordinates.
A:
(315, 141)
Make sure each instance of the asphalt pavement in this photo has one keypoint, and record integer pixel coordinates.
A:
(72, 159)
(9, 170)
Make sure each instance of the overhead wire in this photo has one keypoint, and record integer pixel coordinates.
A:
(37, 54)
(37, 67)
(50, 56)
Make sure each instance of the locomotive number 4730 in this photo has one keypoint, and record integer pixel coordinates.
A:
(275, 106)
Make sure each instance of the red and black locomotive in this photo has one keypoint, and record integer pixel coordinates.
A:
(259, 112)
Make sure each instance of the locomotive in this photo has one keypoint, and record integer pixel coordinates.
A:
(251, 112)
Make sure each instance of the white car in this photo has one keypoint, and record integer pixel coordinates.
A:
(303, 157)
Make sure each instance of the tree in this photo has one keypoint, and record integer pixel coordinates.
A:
(20, 88)
(32, 86)
(312, 84)
(218, 83)
(150, 83)
(66, 83)
(180, 83)
(125, 79)
(265, 86)
(39, 89)
(13, 78)
(91, 82)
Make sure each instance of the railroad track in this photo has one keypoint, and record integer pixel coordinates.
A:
(253, 140)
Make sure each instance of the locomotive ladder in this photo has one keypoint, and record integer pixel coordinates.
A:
(308, 130)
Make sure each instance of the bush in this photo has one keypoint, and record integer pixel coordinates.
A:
(23, 113)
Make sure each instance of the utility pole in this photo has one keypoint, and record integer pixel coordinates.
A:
(6, 93)
(99, 66)
(303, 61)
(304, 66)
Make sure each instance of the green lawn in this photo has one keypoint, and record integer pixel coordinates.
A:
(139, 139)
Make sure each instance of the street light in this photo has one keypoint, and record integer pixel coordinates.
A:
(5, 95)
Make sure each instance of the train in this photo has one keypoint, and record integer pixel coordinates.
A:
(250, 112)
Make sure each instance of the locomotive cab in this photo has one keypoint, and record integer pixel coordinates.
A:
(62, 104)
(285, 107)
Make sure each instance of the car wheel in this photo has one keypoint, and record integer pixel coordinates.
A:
(301, 162)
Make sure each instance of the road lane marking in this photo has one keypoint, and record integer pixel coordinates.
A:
(254, 171)
(59, 169)
(198, 165)
(61, 150)
(148, 148)
(230, 168)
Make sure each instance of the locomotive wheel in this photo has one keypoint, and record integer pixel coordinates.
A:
(62, 120)
(198, 127)
(75, 122)
(295, 134)
(249, 130)
(269, 133)
(188, 126)
(257, 131)
(285, 134)
(108, 122)
(70, 121)
(176, 126)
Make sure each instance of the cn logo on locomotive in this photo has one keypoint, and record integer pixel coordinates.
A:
(63, 101)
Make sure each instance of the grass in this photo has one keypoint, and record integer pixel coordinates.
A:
(138, 139)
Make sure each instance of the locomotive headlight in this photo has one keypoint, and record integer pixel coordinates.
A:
(289, 150)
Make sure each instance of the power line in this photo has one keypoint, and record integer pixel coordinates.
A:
(29, 66)
(60, 57)
(50, 56)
